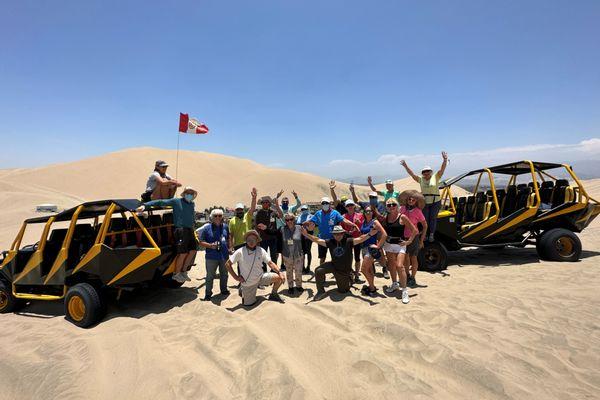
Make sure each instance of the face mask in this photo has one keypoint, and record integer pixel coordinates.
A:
(188, 197)
(304, 212)
(239, 214)
(284, 206)
(325, 207)
(373, 201)
(251, 242)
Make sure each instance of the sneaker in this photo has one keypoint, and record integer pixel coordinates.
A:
(394, 286)
(411, 281)
(405, 298)
(299, 289)
(372, 293)
(185, 276)
(357, 279)
(364, 290)
(225, 293)
(386, 274)
(178, 277)
(320, 294)
(207, 297)
(291, 290)
(275, 297)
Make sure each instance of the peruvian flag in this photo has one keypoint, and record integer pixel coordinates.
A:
(191, 125)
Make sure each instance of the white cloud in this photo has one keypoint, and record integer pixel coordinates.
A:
(389, 164)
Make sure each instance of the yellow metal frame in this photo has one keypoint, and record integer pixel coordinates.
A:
(36, 258)
(47, 297)
(61, 257)
(490, 220)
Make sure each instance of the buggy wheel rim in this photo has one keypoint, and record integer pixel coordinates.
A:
(432, 257)
(565, 246)
(3, 300)
(76, 308)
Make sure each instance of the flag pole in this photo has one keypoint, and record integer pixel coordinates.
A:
(177, 157)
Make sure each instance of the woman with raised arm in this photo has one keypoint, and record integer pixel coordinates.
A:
(430, 189)
(395, 246)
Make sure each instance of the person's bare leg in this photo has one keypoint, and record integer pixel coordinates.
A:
(392, 266)
(414, 262)
(180, 262)
(407, 261)
(276, 283)
(189, 260)
(171, 191)
(367, 271)
(401, 271)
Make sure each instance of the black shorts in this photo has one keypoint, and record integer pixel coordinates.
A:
(413, 248)
(185, 240)
(322, 251)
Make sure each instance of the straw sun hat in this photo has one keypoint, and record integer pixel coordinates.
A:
(414, 194)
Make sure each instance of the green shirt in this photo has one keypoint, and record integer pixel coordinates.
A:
(238, 228)
(389, 195)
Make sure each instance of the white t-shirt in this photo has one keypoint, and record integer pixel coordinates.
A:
(152, 181)
(250, 262)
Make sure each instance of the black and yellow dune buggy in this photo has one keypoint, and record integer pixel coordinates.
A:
(535, 208)
(101, 247)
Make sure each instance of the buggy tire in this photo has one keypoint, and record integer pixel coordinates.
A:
(559, 245)
(539, 248)
(8, 302)
(83, 305)
(433, 257)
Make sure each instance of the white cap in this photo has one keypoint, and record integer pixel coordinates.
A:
(373, 194)
(426, 168)
(304, 207)
(239, 205)
(389, 181)
(349, 203)
(325, 199)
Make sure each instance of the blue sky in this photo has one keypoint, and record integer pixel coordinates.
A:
(328, 87)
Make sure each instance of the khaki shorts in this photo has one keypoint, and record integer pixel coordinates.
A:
(249, 291)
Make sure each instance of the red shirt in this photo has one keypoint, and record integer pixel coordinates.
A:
(415, 216)
(358, 219)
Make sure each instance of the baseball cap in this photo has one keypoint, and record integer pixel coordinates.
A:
(349, 203)
(325, 200)
(239, 205)
(389, 181)
(304, 207)
(161, 163)
(373, 194)
(426, 168)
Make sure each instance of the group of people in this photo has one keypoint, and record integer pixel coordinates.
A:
(355, 233)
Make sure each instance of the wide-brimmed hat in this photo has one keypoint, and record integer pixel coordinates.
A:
(251, 232)
(414, 194)
(189, 189)
(266, 198)
(338, 229)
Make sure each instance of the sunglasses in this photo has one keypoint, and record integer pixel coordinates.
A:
(324, 203)
(218, 216)
(391, 205)
(368, 212)
(289, 219)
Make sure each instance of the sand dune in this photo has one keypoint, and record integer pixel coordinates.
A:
(498, 324)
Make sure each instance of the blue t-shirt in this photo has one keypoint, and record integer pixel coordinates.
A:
(366, 229)
(211, 233)
(326, 222)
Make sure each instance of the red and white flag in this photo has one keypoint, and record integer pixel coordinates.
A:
(191, 125)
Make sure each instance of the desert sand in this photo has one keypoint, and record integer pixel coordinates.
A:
(498, 324)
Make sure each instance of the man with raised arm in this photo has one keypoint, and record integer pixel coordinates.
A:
(241, 222)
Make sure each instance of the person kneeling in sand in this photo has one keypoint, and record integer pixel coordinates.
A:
(341, 250)
(250, 259)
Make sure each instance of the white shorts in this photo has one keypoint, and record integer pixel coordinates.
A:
(394, 248)
(249, 291)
